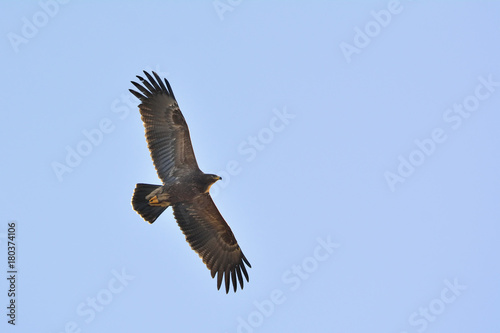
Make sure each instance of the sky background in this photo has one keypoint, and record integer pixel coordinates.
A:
(357, 141)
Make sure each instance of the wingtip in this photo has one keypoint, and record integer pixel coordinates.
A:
(240, 278)
(227, 280)
(245, 260)
(137, 94)
(153, 84)
(233, 278)
(219, 279)
(244, 270)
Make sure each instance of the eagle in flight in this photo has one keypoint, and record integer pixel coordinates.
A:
(185, 187)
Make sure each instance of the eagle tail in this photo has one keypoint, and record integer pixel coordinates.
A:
(141, 204)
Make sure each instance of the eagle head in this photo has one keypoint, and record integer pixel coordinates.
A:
(209, 180)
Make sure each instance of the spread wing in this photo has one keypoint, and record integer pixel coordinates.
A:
(210, 236)
(167, 133)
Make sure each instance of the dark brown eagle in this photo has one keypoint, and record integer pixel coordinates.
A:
(185, 187)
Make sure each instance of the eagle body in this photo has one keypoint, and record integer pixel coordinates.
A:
(185, 187)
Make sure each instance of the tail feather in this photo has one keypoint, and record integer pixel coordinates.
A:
(141, 204)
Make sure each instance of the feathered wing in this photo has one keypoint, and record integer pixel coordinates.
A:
(210, 236)
(167, 133)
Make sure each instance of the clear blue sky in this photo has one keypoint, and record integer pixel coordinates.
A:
(358, 142)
